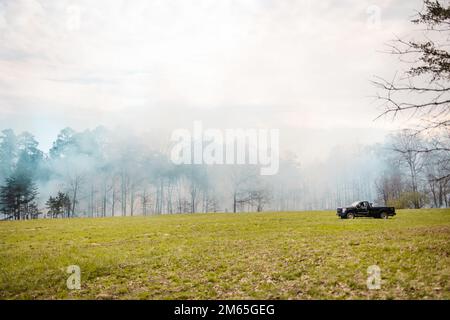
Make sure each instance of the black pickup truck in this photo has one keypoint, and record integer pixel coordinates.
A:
(365, 209)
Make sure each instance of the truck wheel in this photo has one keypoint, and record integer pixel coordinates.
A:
(383, 215)
(350, 216)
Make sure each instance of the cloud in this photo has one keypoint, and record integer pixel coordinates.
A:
(294, 63)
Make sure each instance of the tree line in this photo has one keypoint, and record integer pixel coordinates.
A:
(99, 173)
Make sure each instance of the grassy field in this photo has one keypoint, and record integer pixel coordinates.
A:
(298, 255)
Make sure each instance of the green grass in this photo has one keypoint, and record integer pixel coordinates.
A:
(298, 255)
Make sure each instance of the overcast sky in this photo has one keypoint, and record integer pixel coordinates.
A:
(300, 66)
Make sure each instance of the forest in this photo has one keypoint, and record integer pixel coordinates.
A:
(100, 172)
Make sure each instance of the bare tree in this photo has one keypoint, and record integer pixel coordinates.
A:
(437, 166)
(422, 92)
(406, 145)
(75, 181)
(390, 186)
(241, 178)
(145, 200)
(259, 198)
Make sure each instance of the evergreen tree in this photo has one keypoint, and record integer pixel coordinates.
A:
(64, 143)
(29, 156)
(59, 205)
(17, 196)
(8, 153)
